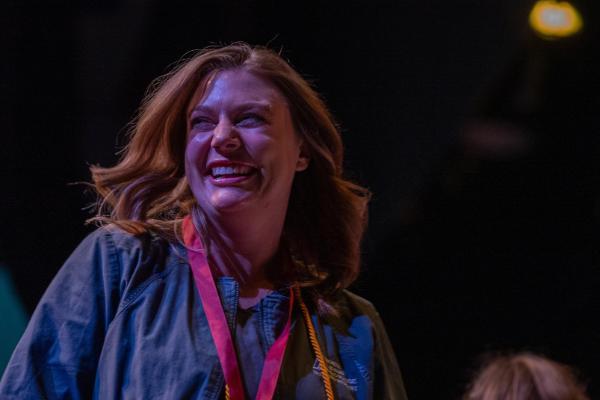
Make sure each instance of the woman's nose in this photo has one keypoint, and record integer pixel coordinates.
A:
(225, 137)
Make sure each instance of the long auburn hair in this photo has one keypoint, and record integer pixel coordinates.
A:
(147, 190)
(525, 376)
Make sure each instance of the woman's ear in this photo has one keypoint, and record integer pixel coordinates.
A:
(303, 158)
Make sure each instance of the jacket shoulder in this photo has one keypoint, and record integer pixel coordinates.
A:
(129, 260)
(356, 305)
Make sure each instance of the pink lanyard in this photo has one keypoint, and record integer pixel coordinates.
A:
(220, 330)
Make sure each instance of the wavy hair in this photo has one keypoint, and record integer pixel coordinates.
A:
(147, 191)
(525, 376)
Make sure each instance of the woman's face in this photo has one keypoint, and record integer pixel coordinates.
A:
(242, 152)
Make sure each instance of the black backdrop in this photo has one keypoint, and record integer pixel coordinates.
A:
(467, 252)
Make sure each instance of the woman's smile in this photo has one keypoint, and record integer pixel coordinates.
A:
(243, 149)
(225, 173)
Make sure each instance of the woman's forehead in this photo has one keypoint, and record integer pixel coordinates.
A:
(236, 85)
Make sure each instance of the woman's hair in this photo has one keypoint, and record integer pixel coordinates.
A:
(147, 190)
(525, 376)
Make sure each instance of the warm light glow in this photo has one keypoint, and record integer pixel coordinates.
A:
(555, 19)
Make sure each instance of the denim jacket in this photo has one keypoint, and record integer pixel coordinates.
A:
(123, 320)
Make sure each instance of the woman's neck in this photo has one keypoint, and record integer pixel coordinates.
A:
(245, 250)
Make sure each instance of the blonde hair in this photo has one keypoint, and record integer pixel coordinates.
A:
(148, 191)
(525, 376)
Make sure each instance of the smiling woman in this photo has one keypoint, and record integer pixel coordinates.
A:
(243, 152)
(229, 236)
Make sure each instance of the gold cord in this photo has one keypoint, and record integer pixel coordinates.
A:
(315, 345)
(312, 336)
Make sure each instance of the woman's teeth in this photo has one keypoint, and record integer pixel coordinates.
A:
(230, 170)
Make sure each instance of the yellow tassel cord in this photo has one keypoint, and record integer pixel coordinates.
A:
(315, 345)
(312, 336)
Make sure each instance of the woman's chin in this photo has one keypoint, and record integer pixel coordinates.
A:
(230, 201)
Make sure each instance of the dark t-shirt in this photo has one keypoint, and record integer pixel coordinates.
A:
(250, 349)
(250, 340)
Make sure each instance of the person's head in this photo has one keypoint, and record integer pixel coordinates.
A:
(148, 189)
(525, 376)
(243, 151)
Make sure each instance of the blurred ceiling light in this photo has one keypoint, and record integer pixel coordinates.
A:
(555, 19)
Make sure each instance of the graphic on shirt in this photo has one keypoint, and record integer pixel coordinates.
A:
(336, 373)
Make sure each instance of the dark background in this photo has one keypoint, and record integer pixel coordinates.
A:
(478, 139)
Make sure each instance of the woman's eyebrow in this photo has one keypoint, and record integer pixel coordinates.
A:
(261, 105)
(255, 105)
(200, 108)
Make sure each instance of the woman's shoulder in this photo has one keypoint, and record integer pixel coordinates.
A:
(114, 240)
(127, 258)
(351, 313)
(353, 304)
(111, 235)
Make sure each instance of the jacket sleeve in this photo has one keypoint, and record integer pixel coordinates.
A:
(386, 379)
(388, 383)
(57, 355)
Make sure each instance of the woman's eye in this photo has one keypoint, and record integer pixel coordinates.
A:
(202, 124)
(250, 120)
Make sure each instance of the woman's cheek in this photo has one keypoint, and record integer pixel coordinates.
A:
(196, 154)
(197, 149)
